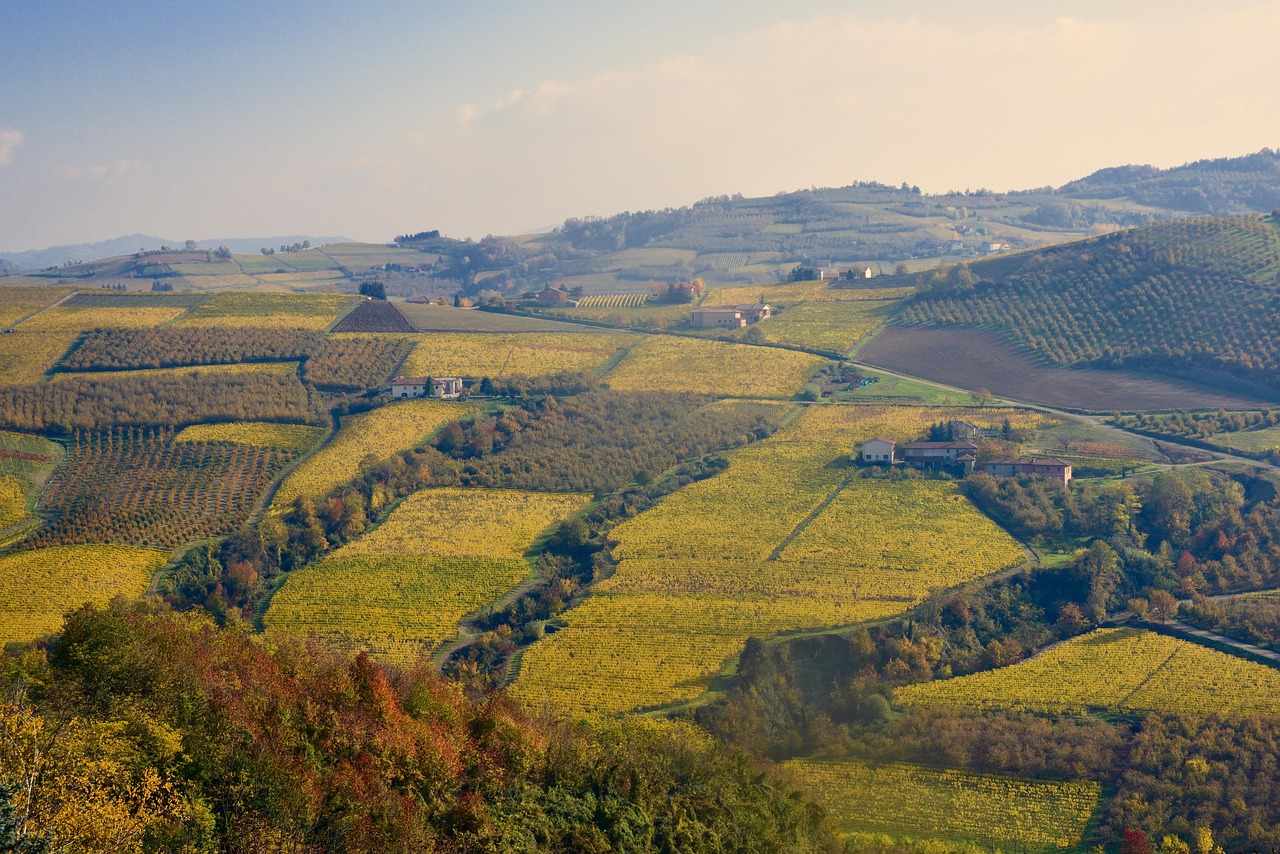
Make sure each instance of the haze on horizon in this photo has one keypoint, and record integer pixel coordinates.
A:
(375, 119)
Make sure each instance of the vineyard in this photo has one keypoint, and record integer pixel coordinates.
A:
(13, 500)
(661, 363)
(354, 363)
(364, 439)
(41, 585)
(1196, 292)
(17, 303)
(504, 355)
(830, 326)
(277, 369)
(260, 434)
(707, 567)
(613, 300)
(26, 356)
(270, 310)
(797, 292)
(114, 349)
(402, 588)
(144, 488)
(67, 318)
(919, 802)
(1114, 669)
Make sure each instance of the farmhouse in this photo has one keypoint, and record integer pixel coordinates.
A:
(717, 318)
(755, 312)
(940, 454)
(878, 450)
(446, 387)
(859, 272)
(1042, 467)
(552, 296)
(408, 386)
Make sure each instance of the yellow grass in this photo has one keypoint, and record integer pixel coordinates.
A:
(665, 363)
(503, 355)
(261, 434)
(41, 585)
(402, 588)
(281, 368)
(17, 302)
(831, 326)
(13, 500)
(273, 310)
(366, 438)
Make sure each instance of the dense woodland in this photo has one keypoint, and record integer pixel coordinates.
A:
(132, 730)
(1199, 295)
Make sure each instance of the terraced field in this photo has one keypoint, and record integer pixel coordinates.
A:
(1114, 669)
(745, 553)
(504, 355)
(664, 363)
(368, 437)
(42, 584)
(924, 803)
(402, 588)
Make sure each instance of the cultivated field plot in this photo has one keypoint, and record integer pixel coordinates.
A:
(134, 299)
(280, 311)
(745, 553)
(117, 349)
(1118, 670)
(259, 434)
(43, 584)
(795, 292)
(402, 588)
(25, 357)
(1265, 441)
(365, 439)
(830, 326)
(273, 369)
(353, 362)
(374, 315)
(646, 316)
(25, 462)
(918, 802)
(17, 303)
(67, 318)
(505, 355)
(613, 300)
(665, 363)
(144, 488)
(973, 359)
(361, 256)
(428, 317)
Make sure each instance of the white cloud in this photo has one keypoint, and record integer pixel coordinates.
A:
(101, 173)
(9, 141)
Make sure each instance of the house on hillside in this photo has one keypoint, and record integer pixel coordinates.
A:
(717, 318)
(878, 450)
(936, 455)
(1050, 467)
(408, 386)
(446, 388)
(858, 272)
(962, 431)
(553, 297)
(755, 312)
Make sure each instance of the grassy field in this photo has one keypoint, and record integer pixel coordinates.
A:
(260, 434)
(42, 584)
(746, 553)
(1114, 669)
(402, 588)
(664, 363)
(363, 439)
(891, 389)
(1265, 441)
(504, 355)
(923, 803)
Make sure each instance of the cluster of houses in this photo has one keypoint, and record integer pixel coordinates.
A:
(729, 316)
(959, 454)
(446, 388)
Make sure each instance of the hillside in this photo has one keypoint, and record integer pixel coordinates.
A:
(1198, 296)
(1221, 187)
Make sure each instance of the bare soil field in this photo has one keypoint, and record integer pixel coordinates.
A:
(374, 315)
(974, 358)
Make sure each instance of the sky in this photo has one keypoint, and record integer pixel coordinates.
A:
(230, 118)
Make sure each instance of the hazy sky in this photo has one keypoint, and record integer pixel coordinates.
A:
(236, 118)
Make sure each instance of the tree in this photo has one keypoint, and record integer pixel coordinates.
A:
(900, 269)
(982, 396)
(189, 245)
(1163, 606)
(377, 290)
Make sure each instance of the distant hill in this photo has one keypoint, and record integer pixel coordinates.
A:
(41, 259)
(1221, 187)
(1199, 296)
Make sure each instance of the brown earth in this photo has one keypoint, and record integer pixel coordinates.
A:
(974, 358)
